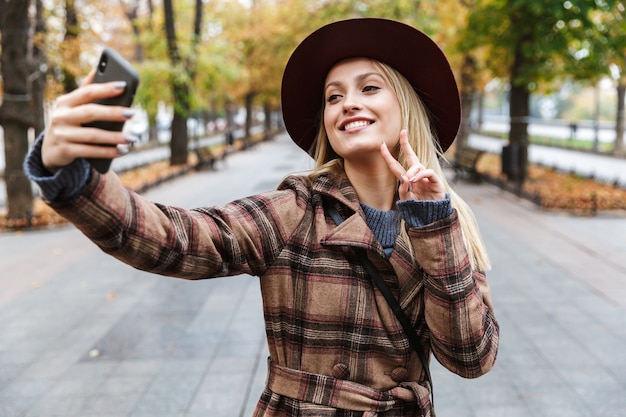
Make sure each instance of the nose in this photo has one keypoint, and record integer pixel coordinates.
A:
(350, 103)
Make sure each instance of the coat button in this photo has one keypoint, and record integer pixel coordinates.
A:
(341, 371)
(400, 374)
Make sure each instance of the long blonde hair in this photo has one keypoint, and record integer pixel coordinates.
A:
(423, 141)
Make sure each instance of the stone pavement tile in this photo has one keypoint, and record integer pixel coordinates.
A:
(194, 345)
(503, 411)
(184, 366)
(169, 394)
(232, 364)
(16, 405)
(51, 405)
(9, 371)
(21, 395)
(78, 385)
(555, 402)
(153, 414)
(53, 363)
(596, 387)
(109, 405)
(221, 395)
(27, 386)
(134, 367)
(454, 411)
(124, 384)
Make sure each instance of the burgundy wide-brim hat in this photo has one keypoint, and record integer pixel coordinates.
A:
(396, 44)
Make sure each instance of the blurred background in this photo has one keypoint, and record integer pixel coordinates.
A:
(211, 66)
(542, 86)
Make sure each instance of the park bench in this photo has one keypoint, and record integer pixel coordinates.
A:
(464, 164)
(206, 157)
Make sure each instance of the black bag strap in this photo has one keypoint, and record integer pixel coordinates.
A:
(408, 328)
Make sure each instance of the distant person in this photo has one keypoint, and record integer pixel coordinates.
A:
(375, 103)
(230, 140)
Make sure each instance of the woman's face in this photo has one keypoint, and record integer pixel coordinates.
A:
(361, 110)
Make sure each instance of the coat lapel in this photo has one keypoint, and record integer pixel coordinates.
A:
(354, 232)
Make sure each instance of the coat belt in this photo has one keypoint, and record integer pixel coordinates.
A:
(327, 391)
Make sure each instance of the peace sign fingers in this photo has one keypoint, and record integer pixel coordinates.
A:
(417, 182)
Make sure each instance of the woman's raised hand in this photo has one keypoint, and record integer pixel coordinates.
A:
(66, 139)
(417, 182)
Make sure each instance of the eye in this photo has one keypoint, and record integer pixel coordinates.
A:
(370, 88)
(333, 97)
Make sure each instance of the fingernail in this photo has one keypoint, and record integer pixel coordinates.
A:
(123, 149)
(413, 178)
(401, 180)
(128, 113)
(410, 187)
(120, 85)
(131, 139)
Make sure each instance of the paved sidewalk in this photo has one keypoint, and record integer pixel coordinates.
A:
(559, 288)
(83, 335)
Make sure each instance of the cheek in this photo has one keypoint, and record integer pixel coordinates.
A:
(329, 121)
(396, 114)
(327, 117)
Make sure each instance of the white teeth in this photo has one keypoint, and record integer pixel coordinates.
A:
(359, 123)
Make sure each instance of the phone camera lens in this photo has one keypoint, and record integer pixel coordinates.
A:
(102, 65)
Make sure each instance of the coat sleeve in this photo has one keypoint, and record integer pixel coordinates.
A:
(457, 302)
(243, 236)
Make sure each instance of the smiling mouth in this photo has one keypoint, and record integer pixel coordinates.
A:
(354, 125)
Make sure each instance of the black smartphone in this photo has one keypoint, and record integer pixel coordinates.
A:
(113, 67)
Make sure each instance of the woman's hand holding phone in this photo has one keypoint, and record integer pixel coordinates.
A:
(87, 122)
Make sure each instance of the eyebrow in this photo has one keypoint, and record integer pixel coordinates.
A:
(358, 78)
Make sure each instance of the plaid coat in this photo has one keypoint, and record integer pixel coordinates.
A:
(335, 345)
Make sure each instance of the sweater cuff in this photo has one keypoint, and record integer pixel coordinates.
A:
(65, 184)
(419, 213)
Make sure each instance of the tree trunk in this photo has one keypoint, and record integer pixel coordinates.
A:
(481, 111)
(131, 12)
(39, 69)
(267, 121)
(468, 91)
(181, 89)
(70, 39)
(519, 110)
(179, 141)
(15, 114)
(248, 127)
(619, 124)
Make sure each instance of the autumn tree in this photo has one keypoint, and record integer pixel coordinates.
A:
(131, 11)
(450, 18)
(15, 112)
(258, 33)
(532, 43)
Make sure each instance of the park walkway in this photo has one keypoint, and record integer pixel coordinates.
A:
(84, 335)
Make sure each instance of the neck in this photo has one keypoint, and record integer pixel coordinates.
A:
(373, 182)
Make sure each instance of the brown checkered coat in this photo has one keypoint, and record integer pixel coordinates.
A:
(334, 343)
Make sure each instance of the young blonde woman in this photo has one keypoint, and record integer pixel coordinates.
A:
(375, 102)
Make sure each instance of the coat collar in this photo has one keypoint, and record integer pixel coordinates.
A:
(336, 190)
(337, 187)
